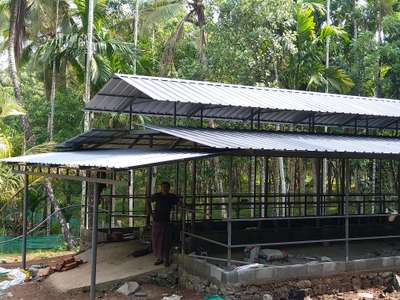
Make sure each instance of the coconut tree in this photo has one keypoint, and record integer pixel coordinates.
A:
(17, 16)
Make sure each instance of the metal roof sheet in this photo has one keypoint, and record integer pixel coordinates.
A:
(164, 96)
(116, 159)
(286, 142)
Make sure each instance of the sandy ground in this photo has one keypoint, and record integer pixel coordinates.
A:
(37, 256)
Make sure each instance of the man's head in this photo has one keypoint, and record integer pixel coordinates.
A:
(165, 187)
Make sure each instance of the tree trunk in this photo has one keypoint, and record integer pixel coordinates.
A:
(302, 184)
(60, 217)
(282, 177)
(252, 189)
(263, 185)
(357, 189)
(135, 34)
(283, 185)
(219, 183)
(86, 98)
(29, 138)
(201, 23)
(315, 175)
(53, 85)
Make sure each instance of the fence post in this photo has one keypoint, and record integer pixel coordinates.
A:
(25, 220)
(229, 221)
(94, 243)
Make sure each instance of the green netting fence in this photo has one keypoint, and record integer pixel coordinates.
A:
(53, 241)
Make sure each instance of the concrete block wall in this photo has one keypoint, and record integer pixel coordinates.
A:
(268, 274)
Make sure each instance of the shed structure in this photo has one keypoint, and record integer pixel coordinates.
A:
(360, 128)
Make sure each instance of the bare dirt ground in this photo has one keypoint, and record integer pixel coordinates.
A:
(376, 293)
(37, 291)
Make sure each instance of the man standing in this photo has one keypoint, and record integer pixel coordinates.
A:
(162, 229)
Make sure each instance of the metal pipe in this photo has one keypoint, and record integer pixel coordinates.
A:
(346, 171)
(266, 189)
(205, 239)
(254, 183)
(201, 117)
(94, 243)
(219, 259)
(183, 213)
(174, 114)
(130, 116)
(193, 206)
(25, 220)
(317, 241)
(229, 223)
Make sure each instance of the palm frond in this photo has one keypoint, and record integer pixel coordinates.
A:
(159, 12)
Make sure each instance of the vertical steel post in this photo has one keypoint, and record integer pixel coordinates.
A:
(176, 186)
(266, 189)
(229, 221)
(398, 186)
(131, 199)
(345, 188)
(130, 116)
(381, 200)
(25, 220)
(252, 119)
(183, 214)
(148, 194)
(94, 243)
(254, 183)
(174, 114)
(194, 180)
(201, 117)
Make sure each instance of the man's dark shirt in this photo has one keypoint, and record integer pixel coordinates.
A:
(164, 204)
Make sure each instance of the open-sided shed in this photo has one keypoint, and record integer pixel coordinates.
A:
(96, 155)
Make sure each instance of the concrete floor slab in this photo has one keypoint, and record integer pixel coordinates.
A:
(113, 265)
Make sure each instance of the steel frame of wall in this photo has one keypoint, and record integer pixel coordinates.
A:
(81, 175)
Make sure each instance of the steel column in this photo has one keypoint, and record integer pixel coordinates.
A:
(346, 179)
(176, 186)
(183, 213)
(193, 206)
(266, 189)
(174, 114)
(94, 243)
(25, 220)
(398, 186)
(254, 183)
(229, 221)
(148, 195)
(130, 116)
(131, 200)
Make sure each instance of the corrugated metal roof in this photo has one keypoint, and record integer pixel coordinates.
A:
(285, 142)
(160, 96)
(115, 159)
(112, 139)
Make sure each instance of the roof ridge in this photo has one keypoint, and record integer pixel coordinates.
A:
(282, 90)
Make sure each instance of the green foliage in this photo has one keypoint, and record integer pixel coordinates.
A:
(274, 43)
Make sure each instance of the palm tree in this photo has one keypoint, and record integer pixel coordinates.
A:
(195, 15)
(156, 11)
(109, 54)
(9, 107)
(17, 13)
